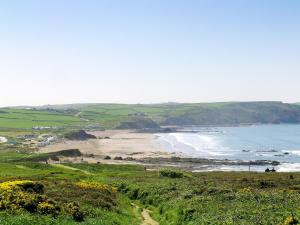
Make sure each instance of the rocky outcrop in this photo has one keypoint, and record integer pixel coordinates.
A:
(79, 135)
(139, 123)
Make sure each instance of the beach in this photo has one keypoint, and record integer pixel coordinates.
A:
(126, 144)
(222, 148)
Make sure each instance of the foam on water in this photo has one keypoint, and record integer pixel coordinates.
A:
(261, 142)
(3, 139)
(289, 167)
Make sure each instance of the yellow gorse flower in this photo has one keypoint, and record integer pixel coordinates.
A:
(245, 190)
(13, 184)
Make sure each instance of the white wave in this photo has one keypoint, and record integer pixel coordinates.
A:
(295, 152)
(3, 139)
(206, 145)
(165, 139)
(289, 167)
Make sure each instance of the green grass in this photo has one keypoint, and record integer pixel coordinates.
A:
(28, 118)
(112, 115)
(194, 198)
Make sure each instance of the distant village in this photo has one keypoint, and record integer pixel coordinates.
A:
(34, 140)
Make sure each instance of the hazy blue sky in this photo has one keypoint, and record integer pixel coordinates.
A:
(143, 51)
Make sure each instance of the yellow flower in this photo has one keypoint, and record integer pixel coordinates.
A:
(290, 221)
(245, 190)
(13, 184)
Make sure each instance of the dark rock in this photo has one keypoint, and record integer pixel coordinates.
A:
(129, 159)
(107, 157)
(80, 135)
(118, 158)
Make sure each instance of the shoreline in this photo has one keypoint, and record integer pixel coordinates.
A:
(114, 143)
(134, 147)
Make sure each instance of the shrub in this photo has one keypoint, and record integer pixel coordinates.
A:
(25, 185)
(15, 200)
(33, 187)
(74, 210)
(171, 173)
(95, 185)
(266, 184)
(48, 207)
(188, 214)
(291, 221)
(133, 194)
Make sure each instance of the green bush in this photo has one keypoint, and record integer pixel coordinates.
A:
(16, 200)
(291, 221)
(171, 173)
(35, 187)
(48, 207)
(74, 210)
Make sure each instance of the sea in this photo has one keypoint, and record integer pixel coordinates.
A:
(241, 143)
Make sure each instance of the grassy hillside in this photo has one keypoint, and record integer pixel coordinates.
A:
(112, 115)
(148, 116)
(115, 194)
(28, 118)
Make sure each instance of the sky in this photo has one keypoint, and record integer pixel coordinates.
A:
(148, 51)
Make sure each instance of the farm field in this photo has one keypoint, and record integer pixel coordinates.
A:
(113, 115)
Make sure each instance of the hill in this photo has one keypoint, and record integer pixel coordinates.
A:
(37, 193)
(150, 115)
(228, 113)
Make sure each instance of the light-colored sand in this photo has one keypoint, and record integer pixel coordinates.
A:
(124, 143)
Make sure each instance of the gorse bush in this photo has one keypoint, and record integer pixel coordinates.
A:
(25, 185)
(171, 173)
(94, 185)
(74, 210)
(24, 195)
(291, 221)
(14, 200)
(48, 207)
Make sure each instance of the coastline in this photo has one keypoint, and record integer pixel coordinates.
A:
(114, 143)
(134, 147)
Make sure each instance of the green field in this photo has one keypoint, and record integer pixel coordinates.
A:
(28, 118)
(113, 115)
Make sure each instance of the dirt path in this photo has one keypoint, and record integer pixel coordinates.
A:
(78, 115)
(147, 219)
(71, 168)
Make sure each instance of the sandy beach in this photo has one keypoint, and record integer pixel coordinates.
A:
(113, 143)
(132, 147)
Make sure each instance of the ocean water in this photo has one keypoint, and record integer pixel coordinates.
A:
(248, 143)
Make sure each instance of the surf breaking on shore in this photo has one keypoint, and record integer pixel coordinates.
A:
(132, 147)
(3, 139)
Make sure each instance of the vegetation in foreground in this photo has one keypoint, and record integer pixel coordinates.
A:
(36, 193)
